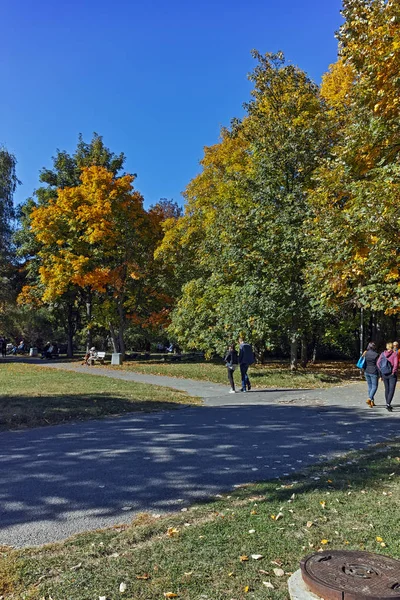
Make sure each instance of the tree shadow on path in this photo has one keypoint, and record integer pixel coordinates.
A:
(69, 478)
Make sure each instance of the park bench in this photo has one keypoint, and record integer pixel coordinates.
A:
(99, 356)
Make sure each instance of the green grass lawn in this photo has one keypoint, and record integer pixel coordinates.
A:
(273, 375)
(206, 551)
(32, 396)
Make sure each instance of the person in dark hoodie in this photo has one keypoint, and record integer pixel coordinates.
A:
(231, 360)
(388, 363)
(246, 358)
(371, 372)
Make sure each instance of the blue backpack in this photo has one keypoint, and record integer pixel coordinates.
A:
(385, 366)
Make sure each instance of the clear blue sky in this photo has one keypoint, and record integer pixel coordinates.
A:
(156, 78)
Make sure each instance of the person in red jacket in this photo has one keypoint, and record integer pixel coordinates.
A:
(387, 364)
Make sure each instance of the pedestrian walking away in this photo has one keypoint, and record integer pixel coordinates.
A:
(246, 358)
(231, 361)
(388, 364)
(371, 372)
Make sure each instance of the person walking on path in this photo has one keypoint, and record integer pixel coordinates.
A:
(371, 372)
(388, 364)
(246, 358)
(231, 360)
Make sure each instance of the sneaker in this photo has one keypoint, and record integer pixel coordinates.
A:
(369, 402)
(249, 386)
(372, 403)
(243, 390)
(389, 408)
(232, 392)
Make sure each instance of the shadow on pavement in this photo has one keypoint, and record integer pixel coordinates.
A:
(95, 473)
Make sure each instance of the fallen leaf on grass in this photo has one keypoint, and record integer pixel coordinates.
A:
(309, 524)
(253, 512)
(243, 558)
(379, 539)
(246, 589)
(324, 542)
(188, 573)
(122, 587)
(170, 595)
(279, 572)
(269, 585)
(323, 503)
(257, 556)
(277, 562)
(172, 531)
(230, 574)
(75, 567)
(144, 576)
(252, 530)
(263, 572)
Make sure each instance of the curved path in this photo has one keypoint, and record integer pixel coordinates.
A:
(57, 481)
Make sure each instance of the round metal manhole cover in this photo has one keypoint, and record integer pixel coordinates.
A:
(347, 575)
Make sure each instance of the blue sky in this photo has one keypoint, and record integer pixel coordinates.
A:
(157, 79)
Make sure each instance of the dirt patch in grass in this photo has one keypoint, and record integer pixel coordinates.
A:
(210, 550)
(32, 396)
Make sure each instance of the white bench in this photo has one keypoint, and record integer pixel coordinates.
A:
(99, 356)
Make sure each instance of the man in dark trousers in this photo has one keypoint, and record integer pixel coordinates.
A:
(246, 358)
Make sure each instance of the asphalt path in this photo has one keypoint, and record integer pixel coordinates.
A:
(61, 480)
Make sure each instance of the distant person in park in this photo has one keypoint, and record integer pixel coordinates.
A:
(246, 358)
(3, 345)
(396, 347)
(388, 363)
(231, 361)
(48, 351)
(90, 357)
(371, 372)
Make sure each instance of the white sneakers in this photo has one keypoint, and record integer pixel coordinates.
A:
(232, 392)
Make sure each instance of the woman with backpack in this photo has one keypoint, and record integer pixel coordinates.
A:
(388, 364)
(371, 372)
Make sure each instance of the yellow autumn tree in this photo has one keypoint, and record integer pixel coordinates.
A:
(97, 236)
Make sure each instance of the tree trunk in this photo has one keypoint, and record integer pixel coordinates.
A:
(304, 359)
(114, 340)
(121, 328)
(70, 332)
(89, 321)
(314, 351)
(293, 350)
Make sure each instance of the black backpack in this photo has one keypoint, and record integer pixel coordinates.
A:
(385, 366)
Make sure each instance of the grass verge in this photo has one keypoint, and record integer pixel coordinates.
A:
(33, 396)
(206, 551)
(273, 375)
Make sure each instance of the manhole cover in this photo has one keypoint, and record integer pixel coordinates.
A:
(347, 575)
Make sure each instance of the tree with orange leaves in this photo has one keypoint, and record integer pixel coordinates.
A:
(98, 237)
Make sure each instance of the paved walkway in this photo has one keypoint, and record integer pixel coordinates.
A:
(57, 481)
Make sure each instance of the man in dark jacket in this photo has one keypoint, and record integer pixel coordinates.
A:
(246, 358)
